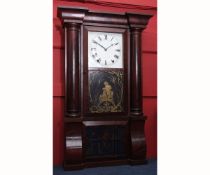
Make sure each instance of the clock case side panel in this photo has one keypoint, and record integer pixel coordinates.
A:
(105, 115)
(73, 142)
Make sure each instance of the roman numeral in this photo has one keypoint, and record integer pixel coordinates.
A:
(116, 56)
(98, 60)
(105, 62)
(105, 37)
(118, 50)
(94, 41)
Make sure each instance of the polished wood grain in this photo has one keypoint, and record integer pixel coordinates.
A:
(77, 22)
(135, 73)
(138, 141)
(72, 74)
(73, 152)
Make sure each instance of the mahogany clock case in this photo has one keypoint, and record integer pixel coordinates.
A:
(102, 132)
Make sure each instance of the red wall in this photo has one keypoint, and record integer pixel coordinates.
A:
(149, 65)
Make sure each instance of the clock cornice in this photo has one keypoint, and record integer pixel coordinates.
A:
(101, 18)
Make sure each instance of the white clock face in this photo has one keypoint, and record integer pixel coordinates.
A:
(105, 50)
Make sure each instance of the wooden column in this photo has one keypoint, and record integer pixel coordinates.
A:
(138, 141)
(137, 119)
(136, 81)
(72, 54)
(72, 20)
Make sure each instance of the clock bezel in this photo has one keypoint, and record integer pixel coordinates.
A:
(117, 62)
(126, 65)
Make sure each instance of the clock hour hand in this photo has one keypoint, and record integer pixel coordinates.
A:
(99, 45)
(111, 46)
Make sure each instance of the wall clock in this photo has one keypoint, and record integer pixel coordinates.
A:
(104, 120)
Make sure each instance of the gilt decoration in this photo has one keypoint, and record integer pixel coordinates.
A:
(105, 91)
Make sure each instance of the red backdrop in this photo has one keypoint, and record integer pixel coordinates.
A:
(149, 65)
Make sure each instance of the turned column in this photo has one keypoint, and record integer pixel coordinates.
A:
(136, 77)
(138, 142)
(72, 77)
(138, 146)
(72, 20)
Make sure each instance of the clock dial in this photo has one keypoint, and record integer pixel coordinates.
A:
(105, 50)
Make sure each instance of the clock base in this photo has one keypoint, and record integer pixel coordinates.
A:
(127, 136)
(131, 162)
(68, 167)
(138, 162)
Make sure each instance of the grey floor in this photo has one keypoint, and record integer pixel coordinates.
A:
(148, 169)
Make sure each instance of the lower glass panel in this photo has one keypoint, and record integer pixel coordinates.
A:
(105, 141)
(105, 91)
